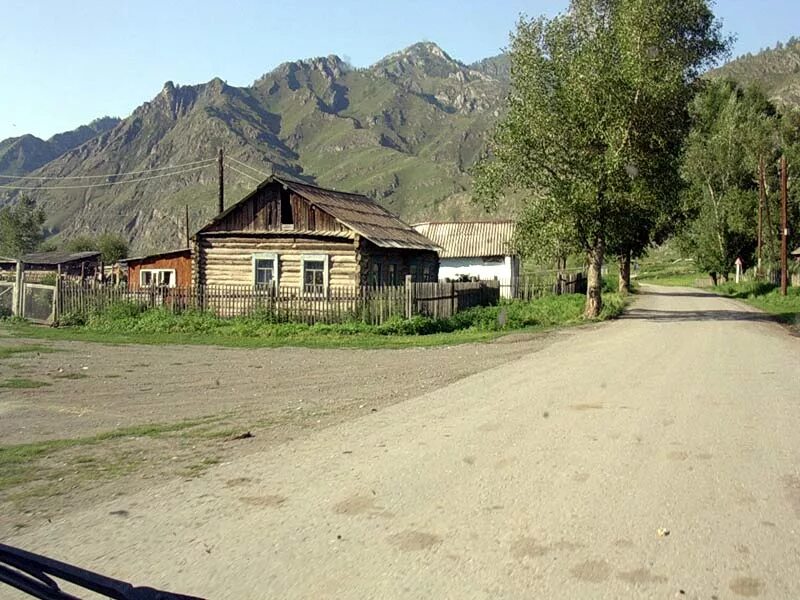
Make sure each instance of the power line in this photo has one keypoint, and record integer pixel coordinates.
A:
(109, 176)
(97, 185)
(234, 169)
(247, 166)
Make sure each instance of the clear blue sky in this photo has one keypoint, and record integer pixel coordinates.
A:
(66, 62)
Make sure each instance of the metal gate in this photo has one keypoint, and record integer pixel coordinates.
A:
(38, 302)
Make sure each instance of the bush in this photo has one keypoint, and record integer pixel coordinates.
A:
(133, 318)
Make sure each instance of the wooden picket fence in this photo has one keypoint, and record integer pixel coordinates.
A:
(374, 305)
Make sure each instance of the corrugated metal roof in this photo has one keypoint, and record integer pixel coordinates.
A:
(470, 238)
(355, 211)
(57, 258)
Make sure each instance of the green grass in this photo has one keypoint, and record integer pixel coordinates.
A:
(71, 376)
(12, 351)
(22, 383)
(766, 297)
(18, 462)
(665, 265)
(125, 324)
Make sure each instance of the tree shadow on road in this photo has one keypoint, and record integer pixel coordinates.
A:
(679, 294)
(676, 316)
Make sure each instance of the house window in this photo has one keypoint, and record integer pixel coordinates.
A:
(392, 275)
(315, 274)
(375, 274)
(494, 260)
(426, 273)
(157, 277)
(265, 270)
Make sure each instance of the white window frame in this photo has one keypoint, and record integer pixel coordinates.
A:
(156, 277)
(275, 266)
(325, 259)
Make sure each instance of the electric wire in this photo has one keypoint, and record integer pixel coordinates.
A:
(110, 175)
(240, 163)
(97, 185)
(232, 168)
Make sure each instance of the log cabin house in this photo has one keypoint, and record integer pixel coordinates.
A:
(164, 269)
(287, 234)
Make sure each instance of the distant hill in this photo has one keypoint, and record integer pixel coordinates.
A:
(405, 131)
(776, 70)
(24, 154)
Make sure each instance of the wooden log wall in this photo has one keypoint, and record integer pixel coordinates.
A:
(229, 260)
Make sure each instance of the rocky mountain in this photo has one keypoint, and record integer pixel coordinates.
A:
(405, 131)
(776, 70)
(24, 154)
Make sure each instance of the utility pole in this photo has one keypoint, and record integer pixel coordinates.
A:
(784, 226)
(221, 196)
(187, 226)
(761, 194)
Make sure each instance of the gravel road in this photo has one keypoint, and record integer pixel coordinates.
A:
(652, 457)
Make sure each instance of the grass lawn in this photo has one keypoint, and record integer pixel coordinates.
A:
(304, 339)
(16, 461)
(22, 383)
(766, 297)
(127, 325)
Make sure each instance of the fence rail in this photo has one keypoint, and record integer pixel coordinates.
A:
(373, 305)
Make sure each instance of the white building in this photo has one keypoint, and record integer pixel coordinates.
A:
(475, 250)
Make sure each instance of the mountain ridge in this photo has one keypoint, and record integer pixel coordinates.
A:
(405, 130)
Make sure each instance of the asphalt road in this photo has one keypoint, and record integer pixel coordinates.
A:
(657, 456)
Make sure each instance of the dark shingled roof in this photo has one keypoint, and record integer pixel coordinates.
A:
(57, 258)
(357, 212)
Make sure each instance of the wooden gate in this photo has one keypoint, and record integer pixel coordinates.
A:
(38, 302)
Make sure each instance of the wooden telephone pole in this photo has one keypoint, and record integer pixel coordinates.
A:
(188, 237)
(762, 192)
(784, 226)
(221, 196)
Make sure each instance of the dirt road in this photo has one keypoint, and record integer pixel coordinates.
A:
(652, 457)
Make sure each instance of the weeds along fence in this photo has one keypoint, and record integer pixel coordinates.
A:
(374, 304)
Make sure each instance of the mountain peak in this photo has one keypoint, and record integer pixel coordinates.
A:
(427, 58)
(425, 50)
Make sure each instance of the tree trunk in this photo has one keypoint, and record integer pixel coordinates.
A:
(713, 277)
(625, 273)
(594, 290)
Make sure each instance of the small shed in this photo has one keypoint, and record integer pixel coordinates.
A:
(796, 254)
(8, 267)
(289, 234)
(475, 249)
(76, 265)
(163, 269)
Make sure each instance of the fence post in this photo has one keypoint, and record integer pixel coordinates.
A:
(409, 297)
(16, 292)
(57, 303)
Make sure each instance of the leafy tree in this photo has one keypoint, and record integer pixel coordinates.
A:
(112, 247)
(733, 129)
(82, 243)
(594, 123)
(21, 228)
